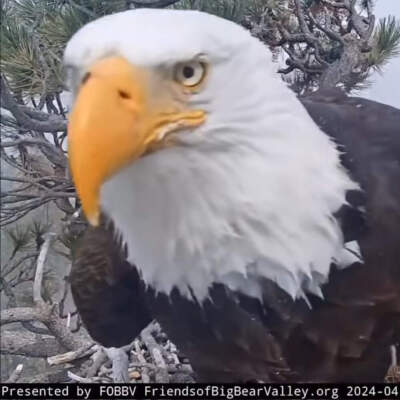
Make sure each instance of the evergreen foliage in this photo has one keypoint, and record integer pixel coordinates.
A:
(34, 34)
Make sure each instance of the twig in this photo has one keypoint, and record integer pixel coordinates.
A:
(31, 142)
(120, 363)
(15, 374)
(28, 325)
(336, 4)
(12, 302)
(99, 357)
(393, 355)
(393, 374)
(328, 32)
(161, 375)
(53, 124)
(80, 379)
(59, 375)
(171, 369)
(37, 283)
(72, 355)
(48, 315)
(142, 360)
(138, 352)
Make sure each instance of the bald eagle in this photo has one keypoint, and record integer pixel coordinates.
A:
(260, 230)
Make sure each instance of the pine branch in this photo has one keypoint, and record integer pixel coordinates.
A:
(152, 3)
(52, 124)
(386, 43)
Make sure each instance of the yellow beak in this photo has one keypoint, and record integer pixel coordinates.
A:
(112, 124)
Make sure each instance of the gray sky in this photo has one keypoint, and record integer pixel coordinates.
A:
(386, 87)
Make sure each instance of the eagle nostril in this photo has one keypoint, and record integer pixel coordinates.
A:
(85, 78)
(123, 94)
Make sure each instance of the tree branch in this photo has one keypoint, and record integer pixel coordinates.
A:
(43, 312)
(37, 283)
(156, 353)
(54, 123)
(120, 364)
(28, 344)
(29, 142)
(301, 17)
(20, 314)
(152, 3)
(70, 356)
(328, 32)
(336, 4)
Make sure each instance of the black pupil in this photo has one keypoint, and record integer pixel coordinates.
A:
(188, 72)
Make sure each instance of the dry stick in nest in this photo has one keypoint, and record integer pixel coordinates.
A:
(393, 374)
(37, 283)
(172, 369)
(15, 374)
(161, 374)
(80, 379)
(120, 363)
(138, 354)
(99, 358)
(53, 322)
(70, 356)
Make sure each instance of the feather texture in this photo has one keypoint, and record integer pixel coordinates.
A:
(252, 193)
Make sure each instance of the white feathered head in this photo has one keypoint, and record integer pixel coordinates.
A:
(207, 163)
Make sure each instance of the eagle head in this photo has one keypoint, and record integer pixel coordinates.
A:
(208, 165)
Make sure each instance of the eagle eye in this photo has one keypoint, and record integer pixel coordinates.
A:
(190, 73)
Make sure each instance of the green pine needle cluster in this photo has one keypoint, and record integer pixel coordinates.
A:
(386, 42)
(34, 33)
(33, 37)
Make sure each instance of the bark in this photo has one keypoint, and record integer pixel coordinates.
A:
(28, 344)
(54, 123)
(342, 70)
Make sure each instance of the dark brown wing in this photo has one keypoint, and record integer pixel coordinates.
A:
(346, 336)
(224, 341)
(107, 290)
(360, 316)
(343, 337)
